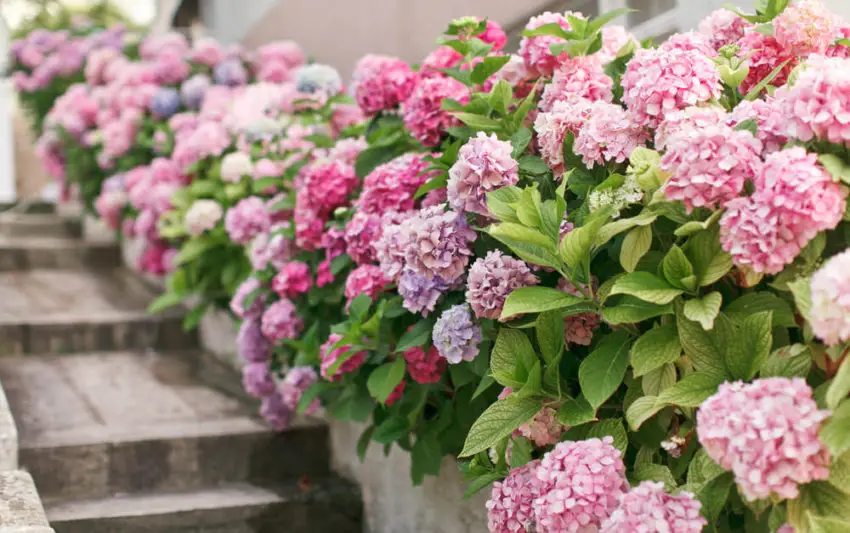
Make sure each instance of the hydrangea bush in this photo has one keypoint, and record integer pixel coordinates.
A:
(609, 277)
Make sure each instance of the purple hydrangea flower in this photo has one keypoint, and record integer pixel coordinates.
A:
(257, 380)
(437, 243)
(165, 102)
(230, 72)
(276, 412)
(295, 384)
(194, 89)
(492, 278)
(237, 303)
(252, 345)
(456, 336)
(316, 77)
(281, 321)
(420, 293)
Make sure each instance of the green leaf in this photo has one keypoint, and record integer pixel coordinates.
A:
(575, 246)
(512, 358)
(630, 310)
(839, 388)
(754, 93)
(660, 379)
(689, 228)
(655, 472)
(260, 185)
(531, 164)
(521, 452)
(755, 302)
(612, 229)
(537, 300)
(418, 335)
(677, 267)
(751, 346)
(710, 262)
(597, 23)
(642, 410)
(497, 422)
(802, 291)
(704, 310)
(500, 203)
(550, 335)
(635, 245)
(706, 349)
(359, 307)
(836, 166)
(385, 378)
(575, 412)
(654, 349)
(692, 390)
(528, 208)
(553, 29)
(529, 244)
(487, 67)
(425, 458)
(646, 286)
(602, 372)
(482, 482)
(610, 427)
(790, 361)
(713, 495)
(703, 468)
(391, 429)
(819, 499)
(500, 97)
(191, 250)
(193, 317)
(479, 122)
(520, 141)
(363, 442)
(820, 524)
(164, 301)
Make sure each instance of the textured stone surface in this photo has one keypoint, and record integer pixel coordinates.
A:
(16, 224)
(20, 507)
(8, 435)
(99, 424)
(61, 311)
(21, 253)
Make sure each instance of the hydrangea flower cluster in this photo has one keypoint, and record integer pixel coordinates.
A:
(581, 77)
(330, 357)
(382, 83)
(484, 164)
(425, 366)
(830, 311)
(423, 112)
(608, 134)
(492, 279)
(292, 280)
(456, 336)
(536, 52)
(510, 507)
(648, 507)
(437, 243)
(281, 321)
(392, 186)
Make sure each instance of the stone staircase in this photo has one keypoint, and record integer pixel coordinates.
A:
(115, 424)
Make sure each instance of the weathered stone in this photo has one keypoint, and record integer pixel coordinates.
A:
(30, 225)
(19, 253)
(8, 435)
(20, 507)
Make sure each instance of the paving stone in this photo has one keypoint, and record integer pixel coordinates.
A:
(24, 253)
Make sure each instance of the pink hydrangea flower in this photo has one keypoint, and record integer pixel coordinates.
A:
(247, 219)
(544, 429)
(437, 243)
(582, 77)
(723, 27)
(766, 434)
(293, 280)
(295, 384)
(347, 150)
(709, 166)
(440, 58)
(830, 311)
(324, 185)
(389, 248)
(690, 40)
(423, 113)
(257, 380)
(535, 50)
(249, 287)
(203, 215)
(361, 232)
(484, 164)
(580, 485)
(331, 355)
(763, 55)
(391, 186)
(806, 27)
(688, 120)
(425, 367)
(840, 49)
(649, 508)
(658, 81)
(494, 34)
(510, 507)
(492, 279)
(381, 83)
(818, 104)
(281, 321)
(769, 120)
(614, 39)
(579, 329)
(552, 127)
(365, 279)
(608, 135)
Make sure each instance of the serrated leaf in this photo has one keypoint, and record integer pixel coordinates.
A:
(839, 388)
(479, 122)
(751, 346)
(660, 379)
(576, 245)
(703, 468)
(164, 301)
(790, 361)
(512, 358)
(610, 427)
(500, 203)
(654, 349)
(602, 372)
(550, 335)
(635, 245)
(654, 472)
(520, 141)
(755, 302)
(676, 267)
(692, 390)
(385, 378)
(647, 287)
(575, 412)
(532, 164)
(497, 422)
(642, 410)
(705, 348)
(703, 310)
(529, 244)
(537, 300)
(630, 310)
(802, 290)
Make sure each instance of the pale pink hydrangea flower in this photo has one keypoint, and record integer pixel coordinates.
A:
(203, 215)
(437, 243)
(347, 150)
(786, 528)
(535, 50)
(580, 485)
(492, 279)
(709, 166)
(769, 120)
(552, 127)
(423, 113)
(365, 279)
(830, 312)
(249, 287)
(583, 77)
(440, 58)
(544, 429)
(331, 355)
(609, 135)
(235, 165)
(763, 55)
(690, 40)
(614, 39)
(425, 367)
(806, 27)
(247, 219)
(649, 508)
(658, 81)
(510, 507)
(766, 434)
(389, 248)
(281, 321)
(484, 164)
(293, 280)
(381, 83)
(723, 27)
(686, 121)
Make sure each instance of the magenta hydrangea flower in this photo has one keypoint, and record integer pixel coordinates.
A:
(683, 122)
(361, 233)
(247, 219)
(658, 81)
(331, 355)
(649, 508)
(257, 380)
(544, 429)
(830, 311)
(535, 51)
(581, 77)
(419, 292)
(381, 83)
(396, 393)
(609, 134)
(442, 57)
(293, 280)
(766, 434)
(762, 54)
(769, 119)
(437, 243)
(484, 164)
(325, 185)
(423, 113)
(456, 336)
(723, 27)
(391, 186)
(579, 329)
(295, 384)
(580, 485)
(510, 507)
(253, 347)
(390, 247)
(425, 367)
(806, 27)
(552, 127)
(249, 287)
(709, 166)
(365, 279)
(817, 105)
(492, 279)
(281, 321)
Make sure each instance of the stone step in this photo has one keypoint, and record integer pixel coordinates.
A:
(25, 253)
(14, 224)
(20, 507)
(68, 311)
(95, 425)
(30, 206)
(326, 506)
